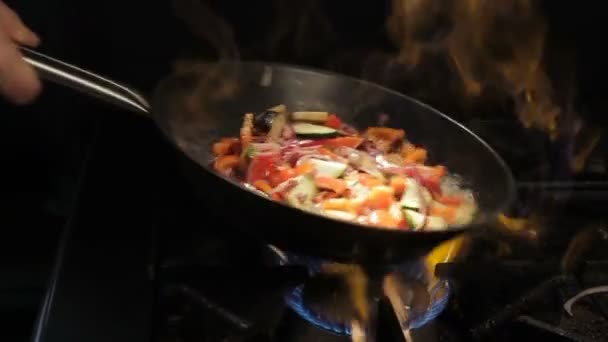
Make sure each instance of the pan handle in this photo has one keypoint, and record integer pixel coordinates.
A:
(86, 82)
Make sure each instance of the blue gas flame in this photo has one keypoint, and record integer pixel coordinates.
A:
(415, 270)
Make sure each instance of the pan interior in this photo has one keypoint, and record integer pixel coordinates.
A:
(197, 106)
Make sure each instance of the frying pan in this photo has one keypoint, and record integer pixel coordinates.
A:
(199, 103)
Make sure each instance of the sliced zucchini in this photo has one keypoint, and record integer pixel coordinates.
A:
(313, 131)
(435, 223)
(396, 211)
(419, 221)
(412, 198)
(278, 123)
(302, 194)
(426, 196)
(341, 215)
(319, 117)
(415, 220)
(250, 152)
(328, 168)
(359, 192)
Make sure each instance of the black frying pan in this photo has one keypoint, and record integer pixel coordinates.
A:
(197, 105)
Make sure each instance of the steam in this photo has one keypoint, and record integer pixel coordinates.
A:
(197, 84)
(301, 27)
(209, 26)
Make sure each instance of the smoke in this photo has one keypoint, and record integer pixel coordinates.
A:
(208, 26)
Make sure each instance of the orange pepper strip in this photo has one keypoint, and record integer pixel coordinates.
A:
(386, 133)
(369, 180)
(447, 212)
(337, 204)
(418, 155)
(225, 146)
(382, 218)
(263, 185)
(304, 168)
(221, 148)
(398, 184)
(336, 185)
(407, 148)
(224, 164)
(381, 197)
(323, 195)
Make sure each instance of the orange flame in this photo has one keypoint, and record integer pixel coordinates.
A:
(497, 44)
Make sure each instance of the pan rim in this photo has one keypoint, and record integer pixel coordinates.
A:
(510, 180)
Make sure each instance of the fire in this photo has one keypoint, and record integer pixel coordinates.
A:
(490, 44)
(448, 251)
(584, 151)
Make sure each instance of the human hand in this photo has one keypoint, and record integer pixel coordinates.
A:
(19, 82)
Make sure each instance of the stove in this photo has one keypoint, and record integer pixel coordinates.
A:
(143, 260)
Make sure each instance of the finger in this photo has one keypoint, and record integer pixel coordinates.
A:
(15, 28)
(19, 82)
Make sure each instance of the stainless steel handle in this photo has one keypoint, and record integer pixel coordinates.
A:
(86, 82)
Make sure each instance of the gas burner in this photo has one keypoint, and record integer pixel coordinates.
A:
(337, 296)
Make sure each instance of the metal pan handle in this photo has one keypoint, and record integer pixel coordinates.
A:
(86, 82)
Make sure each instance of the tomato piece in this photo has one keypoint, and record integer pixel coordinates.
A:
(429, 178)
(352, 142)
(327, 152)
(432, 180)
(260, 168)
(279, 174)
(333, 121)
(432, 184)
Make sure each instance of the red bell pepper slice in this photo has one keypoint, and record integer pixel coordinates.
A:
(333, 121)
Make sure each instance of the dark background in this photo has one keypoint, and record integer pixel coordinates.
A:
(44, 145)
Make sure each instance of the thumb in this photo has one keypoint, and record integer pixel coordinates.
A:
(15, 28)
(19, 82)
